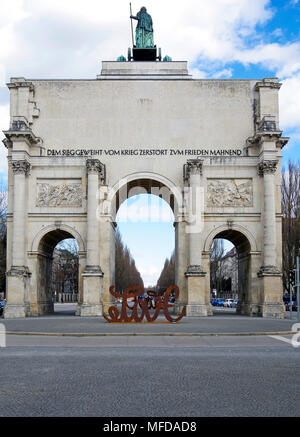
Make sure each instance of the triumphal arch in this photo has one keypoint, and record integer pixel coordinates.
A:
(78, 148)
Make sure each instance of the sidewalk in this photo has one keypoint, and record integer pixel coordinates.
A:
(219, 324)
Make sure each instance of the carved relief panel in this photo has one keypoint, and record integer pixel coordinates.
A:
(229, 192)
(59, 193)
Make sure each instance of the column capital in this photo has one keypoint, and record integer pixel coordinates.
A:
(94, 166)
(20, 167)
(193, 166)
(267, 167)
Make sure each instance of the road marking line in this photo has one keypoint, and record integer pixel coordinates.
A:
(278, 337)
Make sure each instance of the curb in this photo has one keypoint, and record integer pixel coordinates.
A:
(148, 334)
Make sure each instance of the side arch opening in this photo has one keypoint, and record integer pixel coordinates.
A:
(230, 271)
(57, 272)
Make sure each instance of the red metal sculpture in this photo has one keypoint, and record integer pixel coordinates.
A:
(132, 300)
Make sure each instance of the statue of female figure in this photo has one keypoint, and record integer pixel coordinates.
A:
(144, 29)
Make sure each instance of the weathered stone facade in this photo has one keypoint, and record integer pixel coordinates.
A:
(76, 145)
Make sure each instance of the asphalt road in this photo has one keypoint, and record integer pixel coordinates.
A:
(153, 376)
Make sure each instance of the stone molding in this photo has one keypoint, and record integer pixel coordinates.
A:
(19, 271)
(20, 83)
(267, 167)
(281, 142)
(268, 83)
(195, 270)
(93, 271)
(193, 166)
(94, 166)
(269, 271)
(22, 133)
(20, 167)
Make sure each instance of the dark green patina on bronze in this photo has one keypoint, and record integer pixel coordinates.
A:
(144, 30)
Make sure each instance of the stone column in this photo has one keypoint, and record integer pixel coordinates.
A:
(198, 302)
(271, 305)
(18, 276)
(267, 169)
(180, 263)
(91, 304)
(93, 258)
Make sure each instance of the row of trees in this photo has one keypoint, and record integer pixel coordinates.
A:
(126, 273)
(167, 276)
(290, 200)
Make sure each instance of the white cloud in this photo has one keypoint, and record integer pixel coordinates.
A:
(226, 73)
(289, 101)
(55, 38)
(68, 38)
(198, 74)
(150, 274)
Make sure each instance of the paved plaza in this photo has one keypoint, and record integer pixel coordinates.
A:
(63, 321)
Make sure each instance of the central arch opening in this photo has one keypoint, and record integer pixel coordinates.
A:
(145, 222)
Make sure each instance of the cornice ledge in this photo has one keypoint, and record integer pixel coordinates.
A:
(26, 134)
(268, 83)
(282, 142)
(20, 83)
(260, 136)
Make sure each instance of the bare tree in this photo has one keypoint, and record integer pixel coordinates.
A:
(126, 273)
(65, 267)
(216, 264)
(290, 203)
(167, 276)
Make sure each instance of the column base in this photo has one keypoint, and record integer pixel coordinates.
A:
(271, 304)
(195, 310)
(272, 310)
(86, 310)
(91, 305)
(198, 297)
(17, 287)
(16, 311)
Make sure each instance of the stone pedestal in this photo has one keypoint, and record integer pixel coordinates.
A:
(91, 304)
(17, 303)
(198, 297)
(271, 304)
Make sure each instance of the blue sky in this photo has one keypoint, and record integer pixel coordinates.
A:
(146, 224)
(219, 39)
